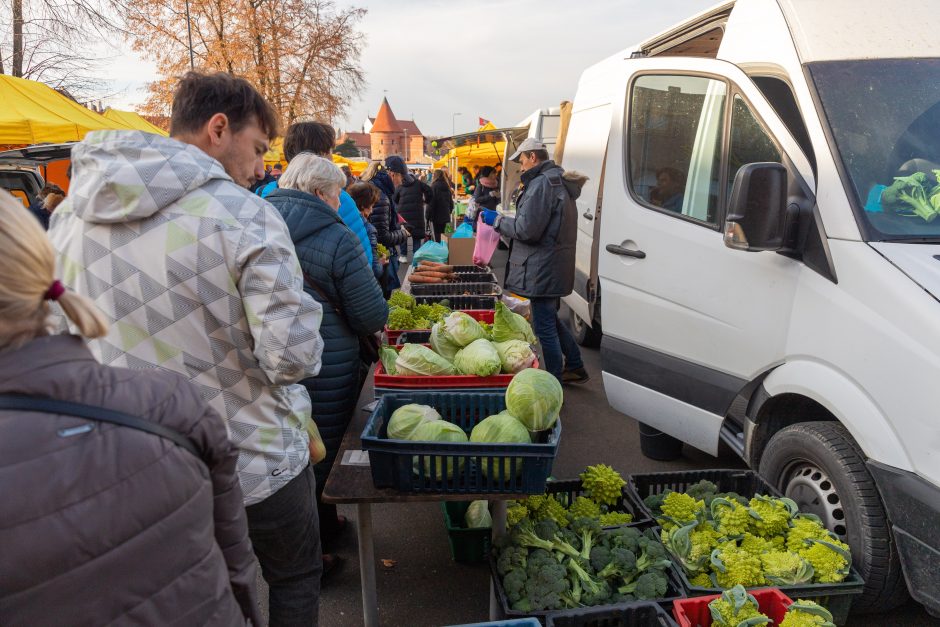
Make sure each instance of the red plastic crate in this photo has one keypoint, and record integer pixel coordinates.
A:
(480, 315)
(694, 612)
(442, 382)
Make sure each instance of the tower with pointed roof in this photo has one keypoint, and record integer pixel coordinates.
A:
(390, 136)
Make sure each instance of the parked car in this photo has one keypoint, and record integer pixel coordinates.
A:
(23, 171)
(751, 275)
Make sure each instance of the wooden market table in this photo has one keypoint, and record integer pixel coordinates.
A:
(351, 483)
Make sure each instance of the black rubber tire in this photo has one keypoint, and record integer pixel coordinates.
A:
(589, 337)
(829, 446)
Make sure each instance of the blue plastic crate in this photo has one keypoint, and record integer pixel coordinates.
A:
(516, 622)
(403, 465)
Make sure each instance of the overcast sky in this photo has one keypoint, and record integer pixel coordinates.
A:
(493, 59)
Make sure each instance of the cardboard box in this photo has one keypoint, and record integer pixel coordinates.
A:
(460, 250)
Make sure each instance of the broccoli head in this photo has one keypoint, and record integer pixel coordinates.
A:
(652, 555)
(514, 585)
(703, 490)
(546, 582)
(593, 590)
(400, 299)
(512, 557)
(648, 586)
(626, 537)
(587, 529)
(621, 563)
(600, 557)
(655, 502)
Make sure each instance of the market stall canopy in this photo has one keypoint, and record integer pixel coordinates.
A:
(34, 113)
(485, 146)
(275, 155)
(133, 120)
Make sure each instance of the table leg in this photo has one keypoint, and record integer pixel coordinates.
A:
(370, 605)
(498, 511)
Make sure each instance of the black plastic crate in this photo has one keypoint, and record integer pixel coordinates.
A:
(747, 483)
(461, 302)
(422, 336)
(673, 592)
(403, 465)
(639, 614)
(470, 268)
(443, 290)
(570, 489)
(474, 277)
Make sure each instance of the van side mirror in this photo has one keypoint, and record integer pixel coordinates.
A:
(757, 211)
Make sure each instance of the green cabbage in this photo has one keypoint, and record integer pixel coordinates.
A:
(462, 329)
(511, 326)
(439, 431)
(388, 355)
(409, 417)
(502, 427)
(442, 345)
(515, 355)
(534, 397)
(478, 515)
(479, 358)
(414, 359)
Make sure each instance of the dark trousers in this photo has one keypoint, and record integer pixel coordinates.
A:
(559, 348)
(438, 230)
(417, 238)
(285, 534)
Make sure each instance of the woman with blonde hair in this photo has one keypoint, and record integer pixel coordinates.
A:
(120, 499)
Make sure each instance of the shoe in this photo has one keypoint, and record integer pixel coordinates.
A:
(331, 534)
(576, 376)
(402, 259)
(331, 565)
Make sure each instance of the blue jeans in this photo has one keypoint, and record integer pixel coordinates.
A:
(285, 534)
(559, 347)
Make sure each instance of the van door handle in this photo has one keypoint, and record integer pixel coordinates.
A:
(587, 215)
(626, 252)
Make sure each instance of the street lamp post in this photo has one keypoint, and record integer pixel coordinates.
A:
(189, 32)
(453, 116)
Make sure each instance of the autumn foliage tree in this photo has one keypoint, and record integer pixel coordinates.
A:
(302, 55)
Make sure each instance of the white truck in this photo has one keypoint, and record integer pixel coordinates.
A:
(755, 273)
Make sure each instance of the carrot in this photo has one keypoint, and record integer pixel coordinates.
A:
(423, 278)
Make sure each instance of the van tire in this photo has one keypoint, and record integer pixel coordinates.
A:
(826, 450)
(587, 336)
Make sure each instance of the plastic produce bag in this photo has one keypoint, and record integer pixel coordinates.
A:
(431, 251)
(464, 230)
(485, 246)
(518, 304)
(515, 355)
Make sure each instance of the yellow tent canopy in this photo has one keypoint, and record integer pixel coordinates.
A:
(484, 150)
(275, 155)
(133, 120)
(34, 113)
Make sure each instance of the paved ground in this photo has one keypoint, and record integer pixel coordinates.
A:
(427, 588)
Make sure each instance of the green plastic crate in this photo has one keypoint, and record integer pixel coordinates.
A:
(466, 544)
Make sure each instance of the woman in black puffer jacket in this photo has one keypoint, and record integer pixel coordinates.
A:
(384, 218)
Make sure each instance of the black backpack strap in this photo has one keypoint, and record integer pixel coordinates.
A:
(18, 402)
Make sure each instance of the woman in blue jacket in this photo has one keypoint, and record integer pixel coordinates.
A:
(338, 275)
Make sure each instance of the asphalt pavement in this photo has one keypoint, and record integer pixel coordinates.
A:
(418, 583)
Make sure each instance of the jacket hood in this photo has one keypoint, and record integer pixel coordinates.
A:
(304, 213)
(574, 181)
(408, 180)
(384, 182)
(124, 176)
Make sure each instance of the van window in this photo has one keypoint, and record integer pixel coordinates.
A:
(676, 129)
(750, 143)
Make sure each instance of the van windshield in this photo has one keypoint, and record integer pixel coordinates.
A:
(884, 116)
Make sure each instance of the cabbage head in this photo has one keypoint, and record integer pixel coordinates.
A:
(479, 358)
(439, 431)
(515, 355)
(407, 418)
(502, 427)
(511, 326)
(414, 359)
(388, 355)
(534, 397)
(478, 515)
(442, 344)
(462, 329)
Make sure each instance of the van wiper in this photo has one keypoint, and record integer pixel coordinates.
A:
(912, 240)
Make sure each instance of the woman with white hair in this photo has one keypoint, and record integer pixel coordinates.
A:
(121, 504)
(338, 275)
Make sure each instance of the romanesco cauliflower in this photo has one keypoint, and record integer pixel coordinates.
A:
(612, 519)
(734, 607)
(830, 559)
(805, 528)
(733, 518)
(733, 566)
(583, 507)
(603, 484)
(807, 614)
(400, 299)
(400, 319)
(775, 514)
(680, 509)
(784, 568)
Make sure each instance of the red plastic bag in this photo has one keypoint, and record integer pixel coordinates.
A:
(485, 246)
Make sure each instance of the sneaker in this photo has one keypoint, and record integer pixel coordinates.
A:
(576, 376)
(402, 259)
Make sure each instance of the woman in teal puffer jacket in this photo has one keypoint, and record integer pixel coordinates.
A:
(332, 258)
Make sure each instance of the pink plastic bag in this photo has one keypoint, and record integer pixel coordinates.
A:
(485, 246)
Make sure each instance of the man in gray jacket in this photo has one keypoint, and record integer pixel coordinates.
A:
(541, 255)
(199, 276)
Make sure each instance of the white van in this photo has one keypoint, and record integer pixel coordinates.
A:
(759, 282)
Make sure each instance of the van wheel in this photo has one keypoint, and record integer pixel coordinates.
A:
(819, 465)
(584, 335)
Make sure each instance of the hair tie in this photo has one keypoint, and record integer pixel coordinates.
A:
(55, 291)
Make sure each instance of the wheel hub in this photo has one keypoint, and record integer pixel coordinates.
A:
(814, 493)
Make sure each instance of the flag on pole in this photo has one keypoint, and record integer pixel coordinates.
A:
(483, 121)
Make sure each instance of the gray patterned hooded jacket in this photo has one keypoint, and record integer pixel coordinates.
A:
(198, 276)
